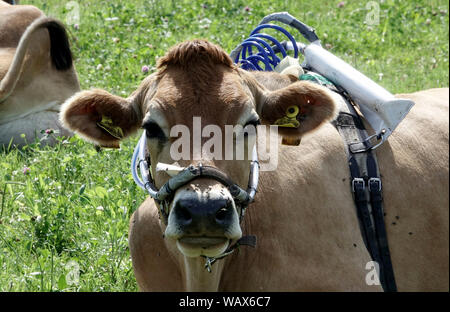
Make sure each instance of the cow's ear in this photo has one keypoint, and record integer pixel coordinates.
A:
(100, 117)
(297, 108)
(105, 119)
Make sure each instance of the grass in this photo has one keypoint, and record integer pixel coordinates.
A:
(70, 205)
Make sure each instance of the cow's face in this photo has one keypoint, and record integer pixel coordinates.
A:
(203, 217)
(196, 82)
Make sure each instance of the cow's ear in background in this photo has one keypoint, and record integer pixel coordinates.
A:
(100, 117)
(297, 109)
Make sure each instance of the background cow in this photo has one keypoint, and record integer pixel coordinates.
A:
(304, 215)
(36, 73)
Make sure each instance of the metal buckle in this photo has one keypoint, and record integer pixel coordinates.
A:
(367, 143)
(380, 137)
(371, 183)
(360, 181)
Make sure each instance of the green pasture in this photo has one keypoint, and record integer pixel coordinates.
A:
(64, 211)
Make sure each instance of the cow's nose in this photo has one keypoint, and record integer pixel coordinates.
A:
(195, 215)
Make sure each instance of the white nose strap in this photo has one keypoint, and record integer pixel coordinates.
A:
(171, 170)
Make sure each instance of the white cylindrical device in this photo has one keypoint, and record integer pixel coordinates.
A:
(381, 109)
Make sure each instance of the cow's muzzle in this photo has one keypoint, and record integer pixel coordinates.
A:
(203, 221)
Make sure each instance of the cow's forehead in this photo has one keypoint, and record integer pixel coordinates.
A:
(218, 97)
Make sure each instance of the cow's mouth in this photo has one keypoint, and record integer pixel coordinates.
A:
(195, 246)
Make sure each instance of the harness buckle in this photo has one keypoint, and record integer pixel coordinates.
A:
(359, 181)
(368, 144)
(374, 184)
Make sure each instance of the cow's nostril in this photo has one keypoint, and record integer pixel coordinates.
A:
(222, 214)
(184, 214)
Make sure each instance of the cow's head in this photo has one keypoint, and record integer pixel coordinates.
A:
(197, 79)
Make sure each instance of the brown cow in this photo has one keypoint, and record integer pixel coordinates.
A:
(303, 215)
(36, 73)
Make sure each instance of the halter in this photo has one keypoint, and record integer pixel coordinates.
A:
(163, 196)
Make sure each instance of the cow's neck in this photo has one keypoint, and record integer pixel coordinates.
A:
(197, 278)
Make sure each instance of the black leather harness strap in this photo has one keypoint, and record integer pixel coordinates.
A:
(366, 188)
(375, 188)
(360, 197)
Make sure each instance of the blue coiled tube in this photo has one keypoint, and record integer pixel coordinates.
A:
(268, 47)
(279, 28)
(274, 59)
(274, 41)
(263, 53)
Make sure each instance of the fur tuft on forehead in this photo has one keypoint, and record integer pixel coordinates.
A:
(190, 52)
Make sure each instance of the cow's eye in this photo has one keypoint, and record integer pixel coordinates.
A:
(153, 131)
(253, 123)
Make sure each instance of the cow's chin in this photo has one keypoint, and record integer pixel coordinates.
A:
(202, 246)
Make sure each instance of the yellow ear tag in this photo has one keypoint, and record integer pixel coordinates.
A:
(107, 125)
(290, 120)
